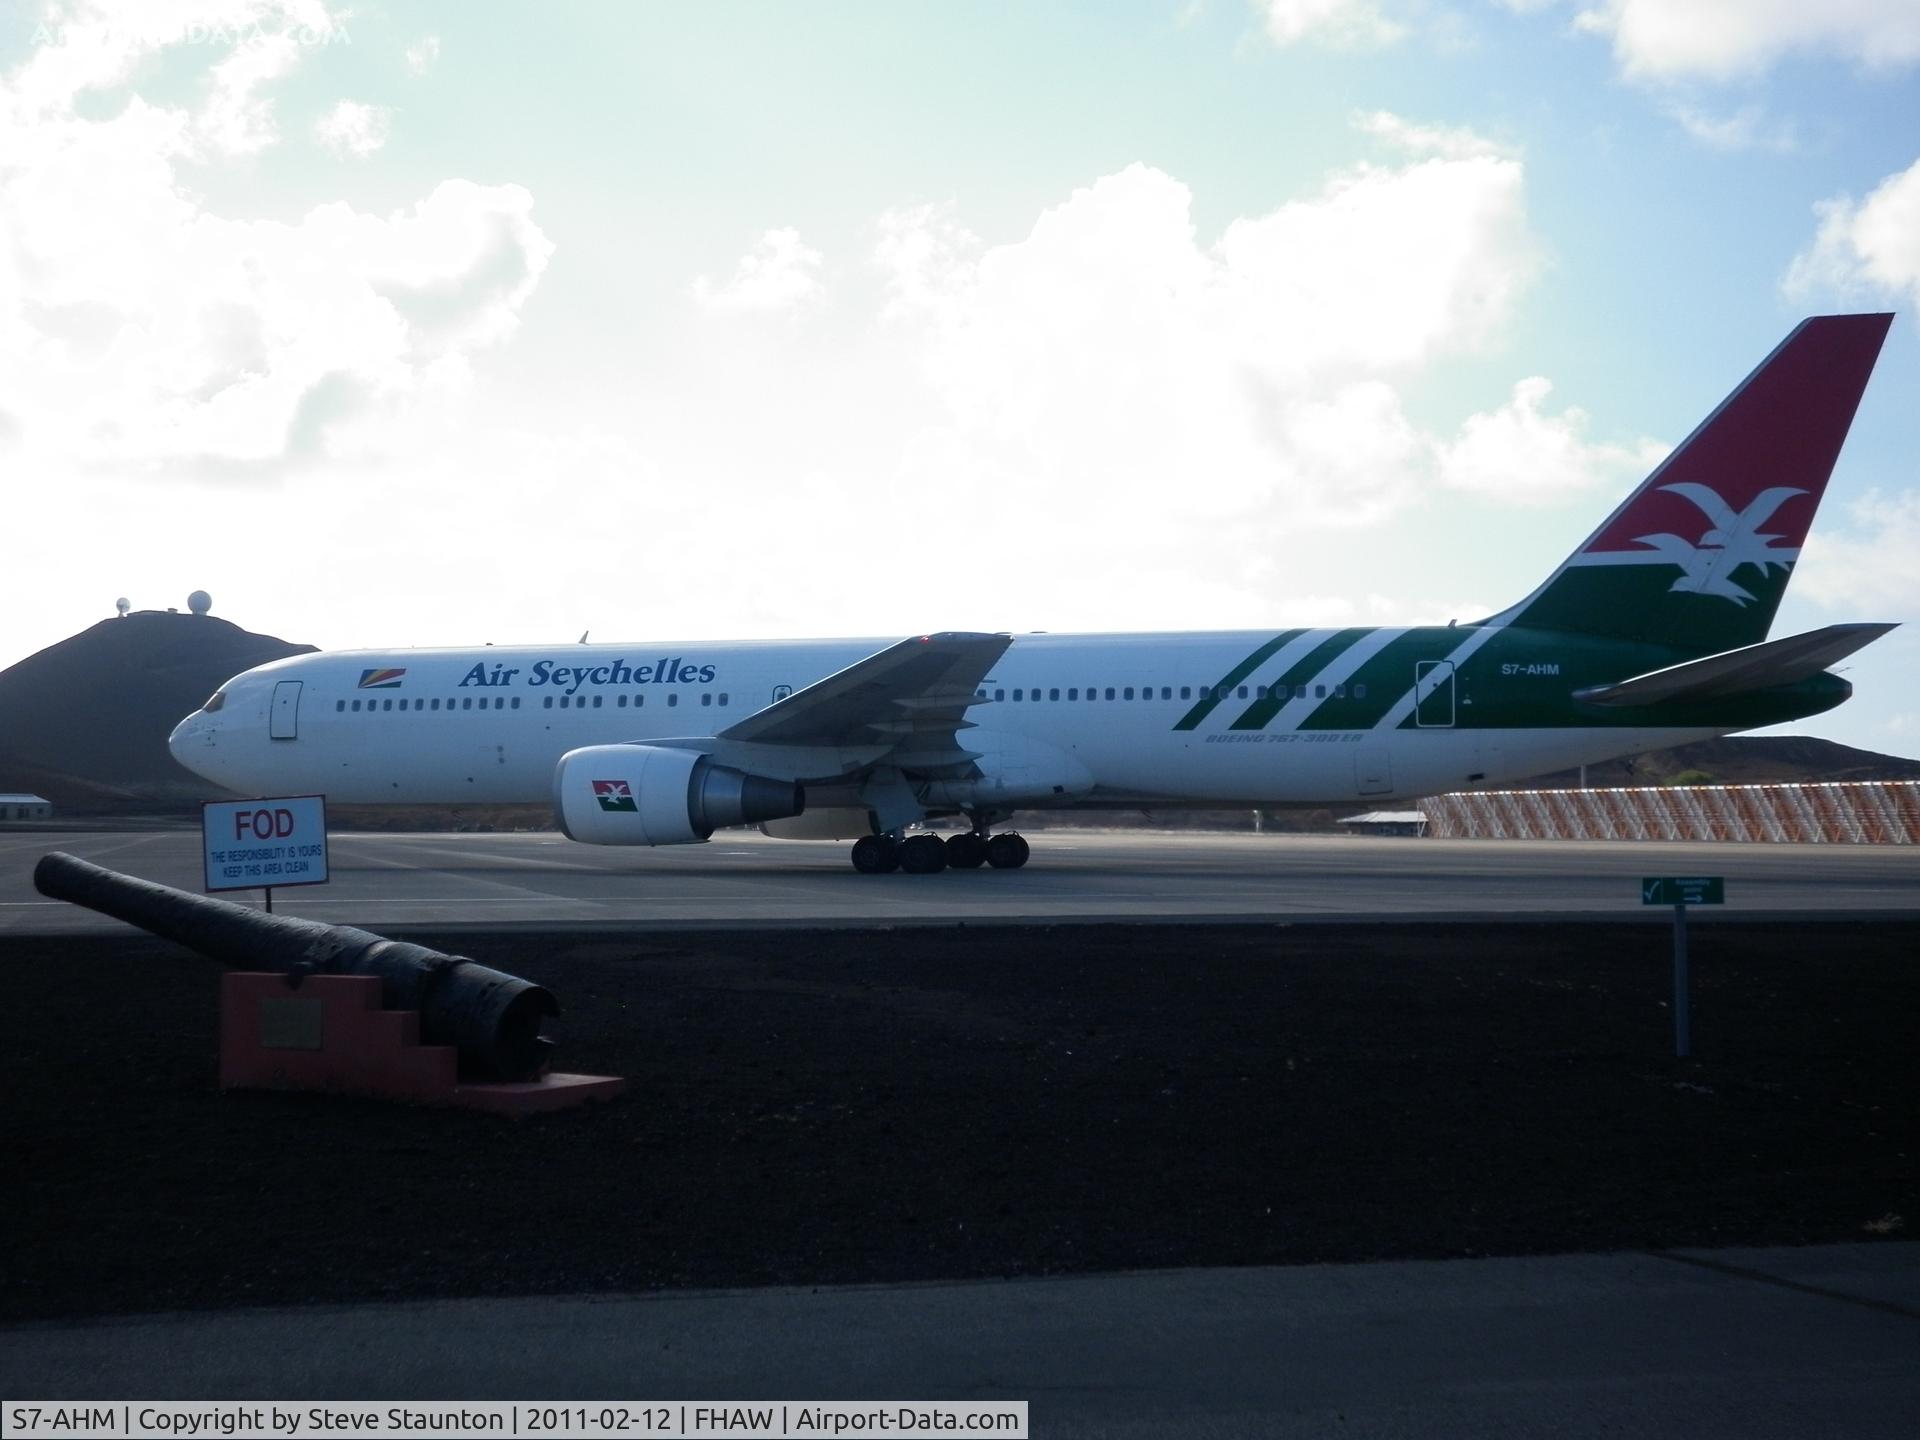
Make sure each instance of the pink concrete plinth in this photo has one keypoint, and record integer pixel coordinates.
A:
(549, 1092)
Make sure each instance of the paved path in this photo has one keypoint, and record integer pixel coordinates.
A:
(496, 880)
(1713, 1345)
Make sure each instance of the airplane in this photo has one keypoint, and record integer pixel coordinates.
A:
(1651, 634)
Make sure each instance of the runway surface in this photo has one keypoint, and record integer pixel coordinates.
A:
(743, 881)
(1715, 1345)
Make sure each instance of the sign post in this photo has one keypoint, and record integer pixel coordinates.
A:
(1680, 892)
(263, 843)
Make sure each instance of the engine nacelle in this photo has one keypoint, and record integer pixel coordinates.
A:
(651, 795)
(833, 822)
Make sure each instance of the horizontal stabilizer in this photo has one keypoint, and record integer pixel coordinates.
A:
(1733, 672)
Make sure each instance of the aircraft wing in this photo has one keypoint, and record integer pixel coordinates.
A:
(1752, 667)
(911, 697)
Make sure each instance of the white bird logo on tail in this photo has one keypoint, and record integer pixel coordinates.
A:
(1732, 541)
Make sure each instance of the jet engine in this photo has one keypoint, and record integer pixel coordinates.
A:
(652, 795)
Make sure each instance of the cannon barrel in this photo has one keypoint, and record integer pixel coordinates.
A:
(492, 1018)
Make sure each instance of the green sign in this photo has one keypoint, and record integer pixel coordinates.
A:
(1684, 890)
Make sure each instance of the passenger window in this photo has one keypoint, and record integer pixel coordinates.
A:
(356, 705)
(999, 694)
(623, 702)
(466, 702)
(673, 700)
(979, 694)
(638, 701)
(546, 702)
(516, 702)
(1073, 693)
(1319, 692)
(1018, 694)
(1053, 694)
(1359, 692)
(1186, 692)
(723, 698)
(596, 701)
(1166, 692)
(1339, 692)
(340, 705)
(436, 702)
(499, 702)
(706, 698)
(1109, 692)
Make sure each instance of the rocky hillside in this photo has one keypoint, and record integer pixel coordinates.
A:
(85, 722)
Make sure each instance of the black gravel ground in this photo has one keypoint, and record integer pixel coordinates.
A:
(830, 1106)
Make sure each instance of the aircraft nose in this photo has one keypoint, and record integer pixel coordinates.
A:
(189, 740)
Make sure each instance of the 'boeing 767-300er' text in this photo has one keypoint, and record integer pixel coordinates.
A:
(1651, 634)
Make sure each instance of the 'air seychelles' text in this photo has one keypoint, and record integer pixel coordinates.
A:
(571, 677)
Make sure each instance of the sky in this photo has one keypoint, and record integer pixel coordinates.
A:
(451, 323)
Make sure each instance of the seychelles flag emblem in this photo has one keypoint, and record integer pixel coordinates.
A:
(388, 679)
(614, 795)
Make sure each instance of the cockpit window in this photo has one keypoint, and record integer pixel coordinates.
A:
(218, 699)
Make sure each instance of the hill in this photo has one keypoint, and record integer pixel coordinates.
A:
(1741, 760)
(85, 722)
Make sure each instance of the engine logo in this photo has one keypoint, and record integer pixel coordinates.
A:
(615, 795)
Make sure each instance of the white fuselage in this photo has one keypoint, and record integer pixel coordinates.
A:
(489, 725)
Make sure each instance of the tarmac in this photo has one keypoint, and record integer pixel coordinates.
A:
(1724, 1343)
(743, 880)
(1713, 1345)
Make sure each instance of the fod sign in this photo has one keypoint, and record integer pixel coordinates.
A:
(258, 844)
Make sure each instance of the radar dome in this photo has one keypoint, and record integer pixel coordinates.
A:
(123, 605)
(199, 602)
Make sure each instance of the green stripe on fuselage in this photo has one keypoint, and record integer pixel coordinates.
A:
(1257, 715)
(1386, 677)
(1234, 676)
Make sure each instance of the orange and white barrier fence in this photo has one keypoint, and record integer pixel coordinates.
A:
(1849, 813)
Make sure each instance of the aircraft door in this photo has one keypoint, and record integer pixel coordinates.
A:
(1373, 768)
(1433, 694)
(285, 723)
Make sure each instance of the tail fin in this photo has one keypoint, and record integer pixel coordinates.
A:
(1699, 556)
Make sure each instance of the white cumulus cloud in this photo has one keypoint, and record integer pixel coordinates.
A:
(1722, 39)
(1111, 363)
(1522, 453)
(1870, 246)
(140, 328)
(1869, 566)
(423, 54)
(1746, 128)
(351, 128)
(1348, 24)
(779, 273)
(1446, 142)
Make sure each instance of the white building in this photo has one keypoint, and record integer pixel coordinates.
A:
(25, 807)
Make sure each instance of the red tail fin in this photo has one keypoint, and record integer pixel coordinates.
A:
(1699, 556)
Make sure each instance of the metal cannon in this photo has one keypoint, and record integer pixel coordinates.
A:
(493, 1019)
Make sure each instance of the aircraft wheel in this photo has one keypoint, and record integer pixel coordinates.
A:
(875, 855)
(923, 854)
(1008, 851)
(966, 851)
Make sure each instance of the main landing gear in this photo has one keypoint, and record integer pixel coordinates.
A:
(926, 854)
